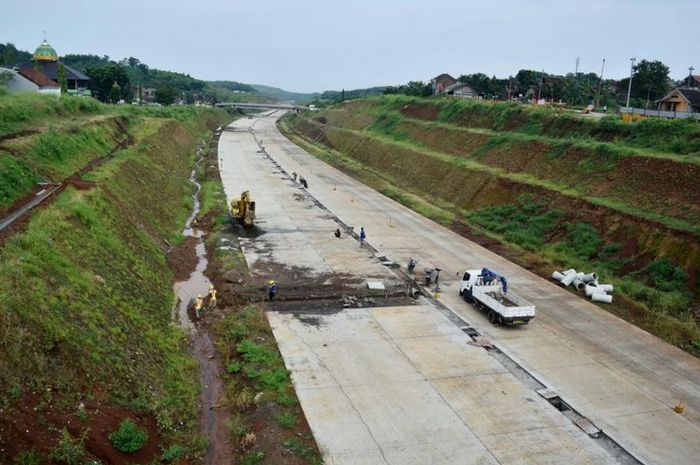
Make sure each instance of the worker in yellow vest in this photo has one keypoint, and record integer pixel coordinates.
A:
(212, 296)
(198, 303)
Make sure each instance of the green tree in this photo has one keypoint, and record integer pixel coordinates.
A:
(62, 77)
(525, 80)
(650, 81)
(103, 78)
(10, 56)
(166, 94)
(115, 93)
(5, 77)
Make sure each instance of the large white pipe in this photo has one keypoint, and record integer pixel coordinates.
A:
(589, 277)
(590, 289)
(606, 287)
(601, 297)
(578, 284)
(557, 275)
(569, 277)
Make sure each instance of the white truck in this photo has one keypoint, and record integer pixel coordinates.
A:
(489, 292)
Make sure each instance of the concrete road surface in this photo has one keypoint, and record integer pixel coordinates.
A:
(470, 407)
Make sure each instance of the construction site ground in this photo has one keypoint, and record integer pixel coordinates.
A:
(384, 380)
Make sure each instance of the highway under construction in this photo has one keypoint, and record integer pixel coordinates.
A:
(384, 378)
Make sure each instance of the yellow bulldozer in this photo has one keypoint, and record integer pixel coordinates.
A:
(243, 210)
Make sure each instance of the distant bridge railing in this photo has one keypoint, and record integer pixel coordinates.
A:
(658, 113)
(275, 106)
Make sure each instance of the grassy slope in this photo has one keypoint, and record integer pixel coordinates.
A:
(372, 140)
(85, 290)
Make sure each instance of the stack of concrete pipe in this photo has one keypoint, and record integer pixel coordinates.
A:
(586, 282)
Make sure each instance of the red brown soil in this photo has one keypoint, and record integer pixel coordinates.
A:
(182, 258)
(36, 421)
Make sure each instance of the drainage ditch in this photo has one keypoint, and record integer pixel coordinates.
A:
(212, 417)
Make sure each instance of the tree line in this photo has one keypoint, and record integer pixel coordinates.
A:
(650, 82)
(112, 81)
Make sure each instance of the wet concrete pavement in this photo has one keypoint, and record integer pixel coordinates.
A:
(621, 378)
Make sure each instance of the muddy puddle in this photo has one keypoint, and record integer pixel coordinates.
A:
(197, 283)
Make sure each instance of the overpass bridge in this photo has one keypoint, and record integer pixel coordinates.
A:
(263, 106)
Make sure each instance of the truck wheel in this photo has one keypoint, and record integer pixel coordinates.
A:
(492, 317)
(461, 292)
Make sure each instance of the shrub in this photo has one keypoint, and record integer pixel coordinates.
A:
(233, 367)
(286, 420)
(173, 453)
(27, 457)
(664, 275)
(129, 438)
(68, 450)
(583, 240)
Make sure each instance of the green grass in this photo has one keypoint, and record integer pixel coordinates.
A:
(527, 223)
(85, 288)
(528, 179)
(663, 135)
(299, 449)
(28, 110)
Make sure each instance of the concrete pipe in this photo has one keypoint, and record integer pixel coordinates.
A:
(569, 277)
(590, 289)
(589, 277)
(601, 297)
(606, 287)
(578, 284)
(556, 275)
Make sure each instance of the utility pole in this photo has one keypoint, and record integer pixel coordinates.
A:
(600, 84)
(539, 91)
(690, 75)
(629, 88)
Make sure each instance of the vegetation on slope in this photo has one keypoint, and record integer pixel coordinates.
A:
(85, 323)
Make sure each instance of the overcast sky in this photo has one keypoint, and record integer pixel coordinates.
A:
(315, 45)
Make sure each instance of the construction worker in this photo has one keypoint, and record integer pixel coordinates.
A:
(271, 290)
(363, 236)
(337, 233)
(198, 303)
(212, 296)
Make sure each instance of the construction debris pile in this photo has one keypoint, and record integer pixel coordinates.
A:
(586, 282)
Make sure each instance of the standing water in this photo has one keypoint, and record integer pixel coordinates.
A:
(211, 416)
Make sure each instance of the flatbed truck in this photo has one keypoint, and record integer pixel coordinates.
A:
(489, 292)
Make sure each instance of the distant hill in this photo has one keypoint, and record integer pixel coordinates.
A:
(338, 95)
(281, 94)
(140, 74)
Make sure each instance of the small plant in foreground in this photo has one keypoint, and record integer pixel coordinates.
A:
(173, 453)
(68, 450)
(248, 440)
(287, 420)
(27, 457)
(233, 367)
(129, 438)
(252, 458)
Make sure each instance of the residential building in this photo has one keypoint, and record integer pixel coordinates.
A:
(442, 82)
(45, 60)
(681, 100)
(30, 81)
(460, 90)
